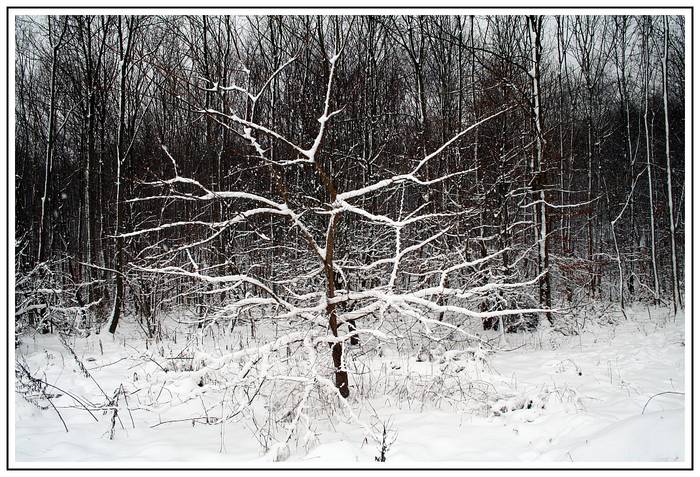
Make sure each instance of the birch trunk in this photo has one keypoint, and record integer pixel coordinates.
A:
(535, 27)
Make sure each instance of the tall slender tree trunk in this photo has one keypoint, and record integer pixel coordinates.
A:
(43, 237)
(652, 220)
(535, 27)
(560, 57)
(124, 52)
(672, 227)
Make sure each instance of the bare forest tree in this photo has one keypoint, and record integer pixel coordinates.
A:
(350, 177)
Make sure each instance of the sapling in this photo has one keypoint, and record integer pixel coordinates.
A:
(388, 437)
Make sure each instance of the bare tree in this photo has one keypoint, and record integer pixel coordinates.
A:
(126, 44)
(646, 32)
(55, 45)
(669, 188)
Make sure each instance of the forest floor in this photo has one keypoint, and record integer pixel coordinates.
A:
(614, 392)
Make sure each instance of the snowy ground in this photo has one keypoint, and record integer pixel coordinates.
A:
(551, 400)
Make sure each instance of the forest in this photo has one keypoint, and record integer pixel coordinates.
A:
(282, 221)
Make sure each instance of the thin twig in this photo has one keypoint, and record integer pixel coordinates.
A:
(660, 394)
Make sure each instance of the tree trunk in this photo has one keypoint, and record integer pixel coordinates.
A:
(535, 27)
(672, 227)
(652, 220)
(119, 243)
(43, 237)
